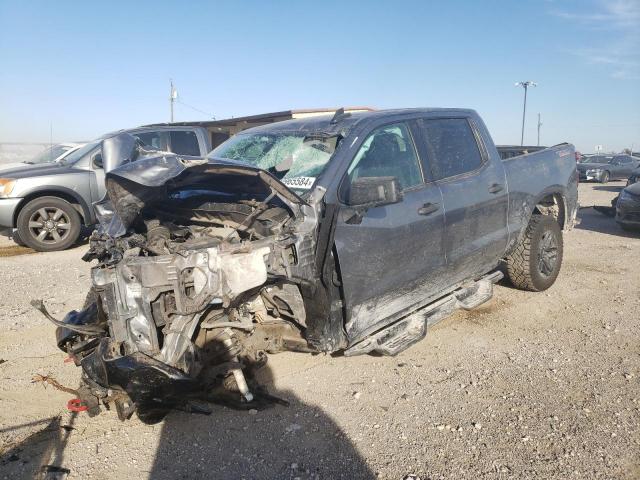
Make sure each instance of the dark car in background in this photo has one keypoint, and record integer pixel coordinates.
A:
(628, 208)
(603, 168)
(634, 177)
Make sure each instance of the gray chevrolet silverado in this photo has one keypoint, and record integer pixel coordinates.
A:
(45, 206)
(350, 233)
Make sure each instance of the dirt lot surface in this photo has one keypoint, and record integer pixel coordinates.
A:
(530, 385)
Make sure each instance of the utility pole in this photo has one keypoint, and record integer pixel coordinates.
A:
(173, 94)
(525, 85)
(539, 125)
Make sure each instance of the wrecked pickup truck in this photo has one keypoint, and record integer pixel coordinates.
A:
(350, 233)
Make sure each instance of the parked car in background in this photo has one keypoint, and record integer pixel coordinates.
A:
(628, 207)
(603, 168)
(51, 154)
(322, 234)
(634, 177)
(625, 208)
(46, 206)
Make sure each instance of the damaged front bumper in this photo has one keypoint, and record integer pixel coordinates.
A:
(154, 304)
(140, 382)
(183, 326)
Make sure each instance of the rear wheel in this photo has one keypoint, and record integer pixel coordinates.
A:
(535, 263)
(48, 224)
(605, 177)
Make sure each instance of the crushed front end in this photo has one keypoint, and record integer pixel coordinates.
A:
(199, 275)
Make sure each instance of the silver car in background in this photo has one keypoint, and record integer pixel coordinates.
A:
(51, 154)
(46, 206)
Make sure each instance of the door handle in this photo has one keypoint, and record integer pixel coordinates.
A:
(495, 188)
(428, 208)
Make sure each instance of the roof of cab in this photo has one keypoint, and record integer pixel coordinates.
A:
(348, 120)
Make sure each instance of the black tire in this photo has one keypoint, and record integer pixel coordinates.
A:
(605, 177)
(59, 224)
(15, 236)
(535, 263)
(629, 228)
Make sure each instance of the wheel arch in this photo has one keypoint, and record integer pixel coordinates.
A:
(64, 194)
(553, 203)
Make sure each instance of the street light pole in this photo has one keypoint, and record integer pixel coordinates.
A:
(172, 97)
(524, 85)
(539, 125)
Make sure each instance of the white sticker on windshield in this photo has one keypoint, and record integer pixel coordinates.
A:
(303, 183)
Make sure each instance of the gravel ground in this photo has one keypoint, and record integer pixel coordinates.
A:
(529, 385)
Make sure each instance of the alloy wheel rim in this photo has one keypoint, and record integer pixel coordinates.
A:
(547, 254)
(49, 225)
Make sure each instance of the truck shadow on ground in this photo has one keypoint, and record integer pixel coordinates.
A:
(40, 455)
(298, 441)
(609, 188)
(295, 441)
(596, 222)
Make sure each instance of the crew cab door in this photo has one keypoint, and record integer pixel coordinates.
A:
(474, 190)
(387, 253)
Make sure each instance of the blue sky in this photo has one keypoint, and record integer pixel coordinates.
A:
(88, 68)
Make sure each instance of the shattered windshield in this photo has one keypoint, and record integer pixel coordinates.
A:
(295, 158)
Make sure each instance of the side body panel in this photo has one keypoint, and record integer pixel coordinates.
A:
(371, 299)
(535, 176)
(390, 260)
(75, 183)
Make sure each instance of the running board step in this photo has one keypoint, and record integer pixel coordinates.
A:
(400, 335)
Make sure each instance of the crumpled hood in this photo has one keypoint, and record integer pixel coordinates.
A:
(133, 185)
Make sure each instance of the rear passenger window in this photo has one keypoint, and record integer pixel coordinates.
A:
(184, 142)
(451, 146)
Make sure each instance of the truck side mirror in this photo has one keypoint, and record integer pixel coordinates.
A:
(374, 191)
(97, 161)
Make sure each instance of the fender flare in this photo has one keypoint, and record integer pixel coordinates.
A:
(56, 191)
(528, 208)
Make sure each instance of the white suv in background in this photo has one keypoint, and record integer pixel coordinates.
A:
(53, 153)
